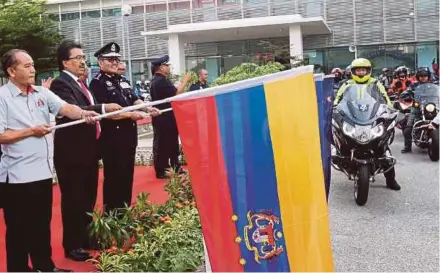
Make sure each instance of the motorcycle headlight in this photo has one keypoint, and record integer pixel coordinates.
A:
(430, 108)
(377, 130)
(348, 129)
(362, 134)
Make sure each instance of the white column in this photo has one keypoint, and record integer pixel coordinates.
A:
(296, 41)
(176, 49)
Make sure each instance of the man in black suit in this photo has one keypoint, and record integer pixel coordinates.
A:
(76, 152)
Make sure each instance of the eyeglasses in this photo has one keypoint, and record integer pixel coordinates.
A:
(79, 58)
(112, 59)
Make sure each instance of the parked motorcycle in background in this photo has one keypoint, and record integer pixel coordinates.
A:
(145, 92)
(426, 97)
(362, 131)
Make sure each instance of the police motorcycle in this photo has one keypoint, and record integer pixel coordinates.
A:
(145, 95)
(403, 105)
(426, 102)
(363, 129)
(145, 92)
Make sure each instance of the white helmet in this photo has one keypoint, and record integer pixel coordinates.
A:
(147, 82)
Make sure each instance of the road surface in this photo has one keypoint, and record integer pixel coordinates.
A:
(394, 231)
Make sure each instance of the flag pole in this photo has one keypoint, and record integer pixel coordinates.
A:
(123, 110)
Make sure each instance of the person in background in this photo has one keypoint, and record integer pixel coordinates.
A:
(137, 88)
(166, 135)
(338, 74)
(119, 136)
(423, 76)
(26, 171)
(402, 80)
(202, 82)
(122, 68)
(147, 86)
(76, 151)
(386, 78)
(435, 68)
(85, 75)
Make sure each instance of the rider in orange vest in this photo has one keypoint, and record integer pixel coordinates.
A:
(402, 81)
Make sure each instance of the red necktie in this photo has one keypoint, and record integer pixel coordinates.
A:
(86, 93)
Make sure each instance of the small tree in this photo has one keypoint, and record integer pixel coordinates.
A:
(24, 24)
(282, 54)
(248, 71)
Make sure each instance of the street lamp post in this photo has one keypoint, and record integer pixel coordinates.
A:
(126, 11)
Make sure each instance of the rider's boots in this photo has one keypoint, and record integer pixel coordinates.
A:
(407, 140)
(391, 180)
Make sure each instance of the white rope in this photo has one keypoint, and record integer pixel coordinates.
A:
(203, 93)
(123, 110)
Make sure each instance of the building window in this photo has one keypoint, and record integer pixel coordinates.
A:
(52, 16)
(337, 57)
(390, 56)
(111, 12)
(138, 10)
(91, 14)
(426, 53)
(156, 7)
(229, 2)
(69, 16)
(140, 71)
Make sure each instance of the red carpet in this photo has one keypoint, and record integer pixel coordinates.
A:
(144, 181)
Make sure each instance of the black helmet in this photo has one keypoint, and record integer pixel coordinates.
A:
(423, 71)
(401, 70)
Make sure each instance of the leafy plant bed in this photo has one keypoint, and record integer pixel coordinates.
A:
(147, 237)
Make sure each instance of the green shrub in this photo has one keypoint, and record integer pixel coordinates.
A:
(247, 71)
(146, 237)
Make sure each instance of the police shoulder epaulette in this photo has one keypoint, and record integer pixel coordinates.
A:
(98, 76)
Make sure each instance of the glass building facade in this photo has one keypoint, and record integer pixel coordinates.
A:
(388, 32)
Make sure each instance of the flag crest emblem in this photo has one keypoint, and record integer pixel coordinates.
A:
(262, 235)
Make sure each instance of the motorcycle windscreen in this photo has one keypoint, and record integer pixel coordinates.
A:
(358, 105)
(427, 93)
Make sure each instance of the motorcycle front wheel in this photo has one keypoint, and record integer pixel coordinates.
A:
(433, 149)
(362, 185)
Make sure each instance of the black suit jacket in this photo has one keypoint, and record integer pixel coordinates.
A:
(75, 144)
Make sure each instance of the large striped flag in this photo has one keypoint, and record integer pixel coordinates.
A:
(325, 96)
(253, 152)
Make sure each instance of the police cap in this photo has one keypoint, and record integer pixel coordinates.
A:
(160, 61)
(109, 50)
(156, 63)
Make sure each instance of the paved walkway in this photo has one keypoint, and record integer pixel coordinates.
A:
(145, 142)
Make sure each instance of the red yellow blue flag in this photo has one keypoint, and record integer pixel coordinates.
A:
(254, 155)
